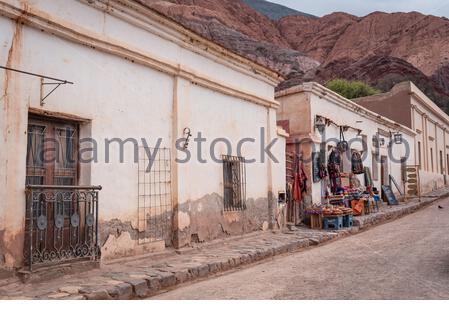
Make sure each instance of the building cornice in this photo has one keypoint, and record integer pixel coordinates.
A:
(426, 117)
(35, 18)
(334, 97)
(428, 104)
(150, 20)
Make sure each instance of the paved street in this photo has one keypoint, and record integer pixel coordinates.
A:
(405, 259)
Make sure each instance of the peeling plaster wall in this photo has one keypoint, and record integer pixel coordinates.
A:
(120, 239)
(206, 220)
(128, 101)
(200, 212)
(125, 99)
(12, 105)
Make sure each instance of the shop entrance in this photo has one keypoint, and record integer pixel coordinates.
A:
(293, 203)
(384, 174)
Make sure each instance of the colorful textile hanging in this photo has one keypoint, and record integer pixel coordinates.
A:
(335, 157)
(333, 168)
(300, 181)
(368, 179)
(296, 188)
(323, 171)
(357, 163)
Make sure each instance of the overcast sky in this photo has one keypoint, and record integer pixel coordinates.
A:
(363, 7)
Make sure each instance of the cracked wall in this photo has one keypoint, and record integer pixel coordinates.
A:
(129, 100)
(205, 220)
(122, 239)
(10, 245)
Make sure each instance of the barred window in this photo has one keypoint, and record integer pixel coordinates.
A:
(234, 182)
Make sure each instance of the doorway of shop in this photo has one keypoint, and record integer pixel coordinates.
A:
(384, 174)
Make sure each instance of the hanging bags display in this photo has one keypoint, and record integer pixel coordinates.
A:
(342, 146)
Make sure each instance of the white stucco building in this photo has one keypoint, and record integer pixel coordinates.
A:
(136, 75)
(365, 131)
(408, 105)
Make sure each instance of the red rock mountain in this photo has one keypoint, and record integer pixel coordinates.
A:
(421, 40)
(230, 13)
(380, 48)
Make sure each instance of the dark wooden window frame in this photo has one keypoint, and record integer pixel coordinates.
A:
(40, 167)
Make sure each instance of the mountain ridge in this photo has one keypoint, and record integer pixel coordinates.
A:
(394, 47)
(273, 10)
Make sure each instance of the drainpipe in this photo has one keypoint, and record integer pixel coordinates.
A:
(174, 165)
(270, 194)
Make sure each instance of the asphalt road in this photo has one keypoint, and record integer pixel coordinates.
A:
(404, 259)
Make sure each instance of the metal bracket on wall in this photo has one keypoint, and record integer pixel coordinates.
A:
(56, 82)
(55, 85)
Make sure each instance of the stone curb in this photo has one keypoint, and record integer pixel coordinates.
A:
(366, 222)
(154, 281)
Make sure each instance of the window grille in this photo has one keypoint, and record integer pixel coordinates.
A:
(234, 182)
(155, 208)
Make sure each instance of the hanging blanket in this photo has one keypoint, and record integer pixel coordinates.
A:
(357, 163)
(333, 168)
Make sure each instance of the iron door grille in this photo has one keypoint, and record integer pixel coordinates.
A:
(234, 182)
(61, 224)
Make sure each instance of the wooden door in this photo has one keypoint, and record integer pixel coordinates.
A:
(52, 160)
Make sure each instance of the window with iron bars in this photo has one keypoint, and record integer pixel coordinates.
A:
(234, 182)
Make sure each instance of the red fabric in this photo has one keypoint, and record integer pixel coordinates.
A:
(300, 182)
(296, 188)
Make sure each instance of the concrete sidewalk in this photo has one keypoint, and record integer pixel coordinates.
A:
(146, 276)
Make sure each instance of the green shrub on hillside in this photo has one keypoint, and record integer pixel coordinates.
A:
(351, 89)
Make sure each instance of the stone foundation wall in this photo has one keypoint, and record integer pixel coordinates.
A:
(121, 239)
(196, 221)
(204, 219)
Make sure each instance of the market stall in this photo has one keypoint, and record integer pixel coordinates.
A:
(344, 194)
